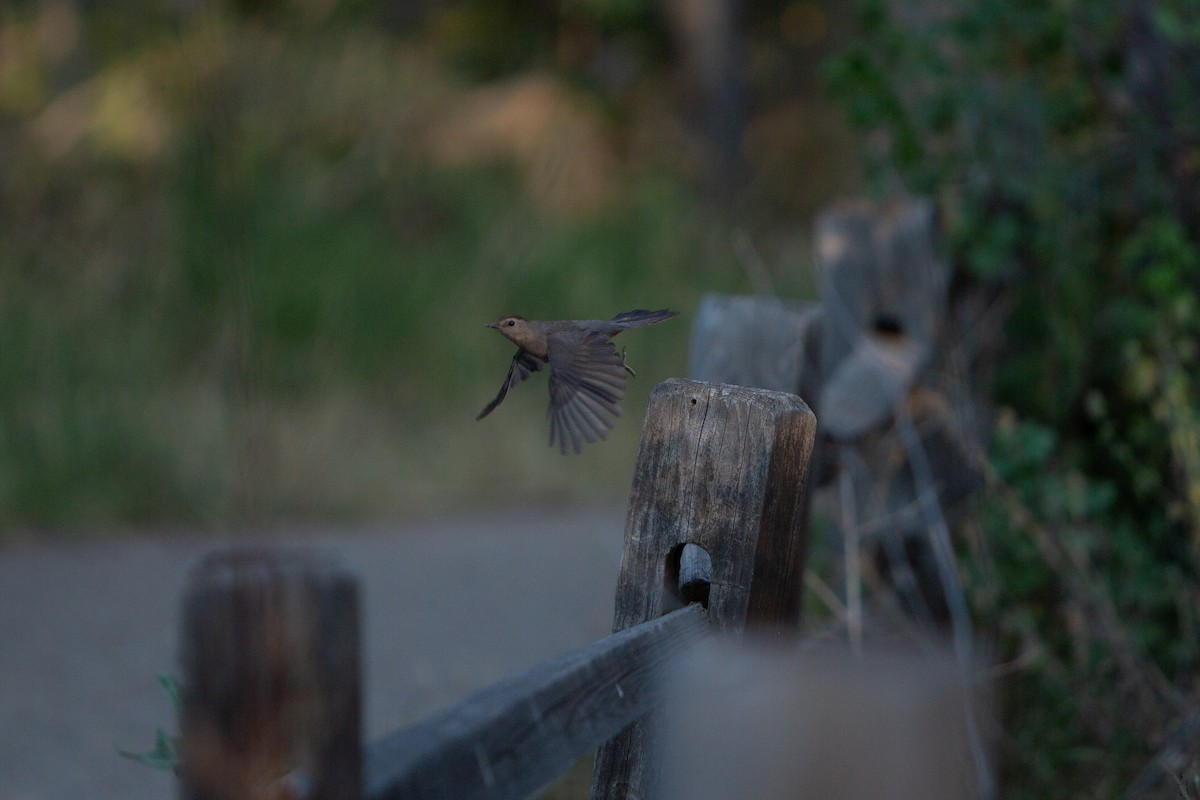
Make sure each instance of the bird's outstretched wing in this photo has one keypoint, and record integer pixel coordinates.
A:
(523, 365)
(587, 380)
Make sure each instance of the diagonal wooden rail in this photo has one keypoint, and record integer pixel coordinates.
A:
(519, 734)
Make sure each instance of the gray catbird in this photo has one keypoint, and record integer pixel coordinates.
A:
(587, 374)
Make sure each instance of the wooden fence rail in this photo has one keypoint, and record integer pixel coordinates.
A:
(714, 540)
(519, 734)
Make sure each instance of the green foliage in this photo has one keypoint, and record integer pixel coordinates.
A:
(1056, 137)
(1074, 590)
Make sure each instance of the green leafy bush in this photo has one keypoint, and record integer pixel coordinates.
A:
(1063, 143)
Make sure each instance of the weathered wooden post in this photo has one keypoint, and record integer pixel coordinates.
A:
(271, 686)
(884, 290)
(897, 364)
(723, 468)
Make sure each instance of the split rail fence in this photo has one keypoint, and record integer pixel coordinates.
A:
(715, 541)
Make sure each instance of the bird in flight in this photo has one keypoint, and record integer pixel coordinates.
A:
(587, 374)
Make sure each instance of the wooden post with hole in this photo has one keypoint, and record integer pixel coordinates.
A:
(271, 679)
(723, 468)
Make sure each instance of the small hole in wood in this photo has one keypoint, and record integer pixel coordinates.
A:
(693, 401)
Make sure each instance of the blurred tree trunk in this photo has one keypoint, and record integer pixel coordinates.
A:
(708, 35)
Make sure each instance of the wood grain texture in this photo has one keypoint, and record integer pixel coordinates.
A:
(723, 467)
(513, 737)
(271, 681)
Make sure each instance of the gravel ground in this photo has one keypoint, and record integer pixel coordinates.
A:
(450, 604)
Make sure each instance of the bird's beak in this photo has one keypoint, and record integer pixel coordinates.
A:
(489, 324)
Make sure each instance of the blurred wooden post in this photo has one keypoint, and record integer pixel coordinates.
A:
(755, 720)
(270, 658)
(756, 340)
(722, 467)
(884, 290)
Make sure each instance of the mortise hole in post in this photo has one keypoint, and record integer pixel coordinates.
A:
(888, 325)
(687, 576)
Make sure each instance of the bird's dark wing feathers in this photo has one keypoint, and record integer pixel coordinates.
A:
(523, 365)
(587, 380)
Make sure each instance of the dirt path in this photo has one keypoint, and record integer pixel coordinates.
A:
(450, 604)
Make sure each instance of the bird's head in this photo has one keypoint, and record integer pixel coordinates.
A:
(514, 328)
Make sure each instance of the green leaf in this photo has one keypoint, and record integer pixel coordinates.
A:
(171, 688)
(164, 756)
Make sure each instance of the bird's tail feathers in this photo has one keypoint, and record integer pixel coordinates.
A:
(641, 317)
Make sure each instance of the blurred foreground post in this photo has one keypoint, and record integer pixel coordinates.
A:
(754, 719)
(271, 698)
(722, 468)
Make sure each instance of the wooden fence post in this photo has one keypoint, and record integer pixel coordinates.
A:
(721, 467)
(756, 340)
(271, 681)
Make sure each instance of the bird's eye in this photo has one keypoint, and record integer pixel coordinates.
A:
(512, 322)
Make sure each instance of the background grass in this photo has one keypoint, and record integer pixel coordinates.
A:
(246, 254)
